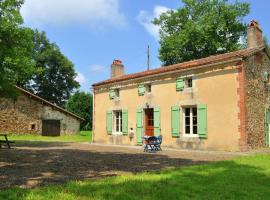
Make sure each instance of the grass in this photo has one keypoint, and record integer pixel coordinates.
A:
(241, 178)
(83, 136)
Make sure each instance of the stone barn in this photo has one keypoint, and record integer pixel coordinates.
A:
(34, 115)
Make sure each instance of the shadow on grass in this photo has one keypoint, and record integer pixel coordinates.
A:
(223, 180)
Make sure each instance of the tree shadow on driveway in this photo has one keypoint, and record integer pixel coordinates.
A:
(35, 164)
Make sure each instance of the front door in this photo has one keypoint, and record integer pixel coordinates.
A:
(149, 122)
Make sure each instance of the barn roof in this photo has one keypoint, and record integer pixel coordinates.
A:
(185, 65)
(49, 103)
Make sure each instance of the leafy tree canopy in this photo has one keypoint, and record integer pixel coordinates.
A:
(81, 103)
(16, 44)
(55, 80)
(201, 28)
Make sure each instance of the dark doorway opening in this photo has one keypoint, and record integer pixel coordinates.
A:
(50, 127)
(149, 122)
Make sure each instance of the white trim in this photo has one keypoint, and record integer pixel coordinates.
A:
(114, 132)
(191, 134)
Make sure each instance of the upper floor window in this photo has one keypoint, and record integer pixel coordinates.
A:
(189, 83)
(114, 93)
(148, 88)
(117, 92)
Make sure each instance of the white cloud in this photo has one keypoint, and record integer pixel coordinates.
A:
(69, 12)
(81, 79)
(98, 68)
(145, 18)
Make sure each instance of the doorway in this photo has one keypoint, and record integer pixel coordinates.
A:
(149, 122)
(50, 127)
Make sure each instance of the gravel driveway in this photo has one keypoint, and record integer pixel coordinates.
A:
(32, 164)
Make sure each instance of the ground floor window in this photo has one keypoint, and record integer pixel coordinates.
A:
(190, 121)
(117, 121)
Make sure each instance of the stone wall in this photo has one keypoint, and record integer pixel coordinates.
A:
(257, 93)
(25, 115)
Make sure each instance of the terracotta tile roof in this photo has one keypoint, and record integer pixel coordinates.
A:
(48, 103)
(184, 65)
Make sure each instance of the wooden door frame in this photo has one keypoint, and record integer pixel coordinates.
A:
(144, 120)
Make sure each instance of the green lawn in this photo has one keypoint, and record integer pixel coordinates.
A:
(84, 136)
(242, 178)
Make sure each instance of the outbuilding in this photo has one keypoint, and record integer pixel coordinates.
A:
(32, 114)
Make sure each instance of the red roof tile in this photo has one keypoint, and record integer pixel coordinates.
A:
(184, 65)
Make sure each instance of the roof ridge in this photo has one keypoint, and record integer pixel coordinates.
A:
(47, 102)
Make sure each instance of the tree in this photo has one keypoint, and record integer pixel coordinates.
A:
(55, 81)
(201, 28)
(16, 47)
(81, 103)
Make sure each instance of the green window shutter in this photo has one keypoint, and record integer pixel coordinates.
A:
(180, 84)
(109, 122)
(141, 90)
(202, 121)
(157, 121)
(139, 125)
(175, 120)
(112, 94)
(125, 122)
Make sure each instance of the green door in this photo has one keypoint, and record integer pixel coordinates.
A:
(267, 127)
(139, 125)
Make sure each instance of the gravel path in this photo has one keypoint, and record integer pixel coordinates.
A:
(32, 164)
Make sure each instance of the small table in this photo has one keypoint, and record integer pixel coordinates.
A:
(6, 141)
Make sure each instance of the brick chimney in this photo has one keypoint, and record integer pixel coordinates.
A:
(117, 69)
(254, 35)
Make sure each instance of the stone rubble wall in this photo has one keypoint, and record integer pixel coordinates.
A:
(25, 115)
(257, 98)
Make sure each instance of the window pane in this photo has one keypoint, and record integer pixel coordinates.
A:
(187, 129)
(189, 82)
(194, 110)
(187, 111)
(194, 120)
(194, 129)
(187, 120)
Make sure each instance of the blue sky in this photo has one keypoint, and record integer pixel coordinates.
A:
(92, 33)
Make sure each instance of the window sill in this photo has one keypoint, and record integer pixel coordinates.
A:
(188, 90)
(117, 134)
(185, 138)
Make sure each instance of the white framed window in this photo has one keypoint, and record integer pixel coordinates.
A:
(190, 121)
(117, 122)
(117, 93)
(148, 88)
(189, 82)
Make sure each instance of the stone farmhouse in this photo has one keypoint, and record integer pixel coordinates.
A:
(32, 114)
(220, 102)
